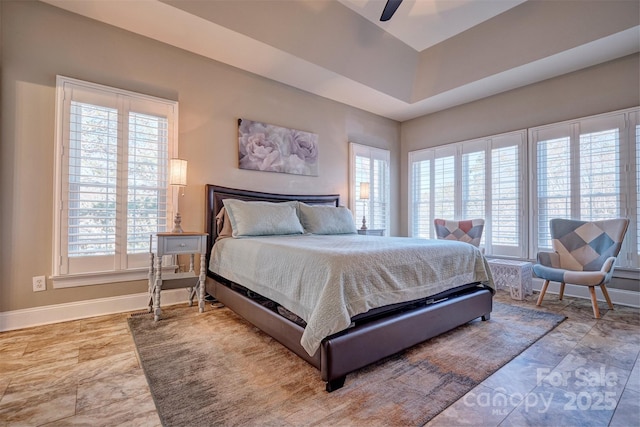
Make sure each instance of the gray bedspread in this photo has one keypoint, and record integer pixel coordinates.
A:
(326, 280)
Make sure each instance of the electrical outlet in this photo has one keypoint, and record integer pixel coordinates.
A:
(39, 283)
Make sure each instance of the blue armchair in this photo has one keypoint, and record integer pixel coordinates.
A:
(584, 254)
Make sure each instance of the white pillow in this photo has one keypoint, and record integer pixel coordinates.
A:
(327, 219)
(262, 218)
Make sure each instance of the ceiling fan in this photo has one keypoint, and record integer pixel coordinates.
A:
(390, 9)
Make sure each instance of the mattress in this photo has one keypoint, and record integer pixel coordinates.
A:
(328, 279)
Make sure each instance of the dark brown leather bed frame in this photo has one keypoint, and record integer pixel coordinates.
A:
(367, 341)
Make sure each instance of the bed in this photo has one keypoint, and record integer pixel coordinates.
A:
(372, 325)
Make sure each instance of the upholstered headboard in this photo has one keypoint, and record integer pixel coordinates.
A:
(216, 194)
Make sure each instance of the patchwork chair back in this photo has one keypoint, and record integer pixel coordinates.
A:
(466, 230)
(584, 254)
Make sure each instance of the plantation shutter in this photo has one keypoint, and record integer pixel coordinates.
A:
(147, 203)
(93, 161)
(599, 174)
(444, 183)
(507, 230)
(553, 181)
(379, 194)
(474, 182)
(420, 206)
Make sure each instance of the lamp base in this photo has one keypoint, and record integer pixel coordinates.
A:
(176, 224)
(364, 223)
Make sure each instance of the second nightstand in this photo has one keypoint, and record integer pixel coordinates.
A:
(176, 244)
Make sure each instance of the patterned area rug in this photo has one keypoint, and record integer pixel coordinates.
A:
(216, 369)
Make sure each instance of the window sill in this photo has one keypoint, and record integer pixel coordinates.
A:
(619, 272)
(626, 273)
(103, 277)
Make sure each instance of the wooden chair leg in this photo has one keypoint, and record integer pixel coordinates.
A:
(542, 292)
(561, 291)
(594, 302)
(605, 292)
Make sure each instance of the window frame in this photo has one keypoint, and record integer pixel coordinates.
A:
(377, 197)
(83, 271)
(458, 209)
(625, 121)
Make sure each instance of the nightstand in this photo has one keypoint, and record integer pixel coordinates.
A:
(370, 232)
(176, 244)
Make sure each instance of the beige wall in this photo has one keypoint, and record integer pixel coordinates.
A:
(532, 31)
(41, 41)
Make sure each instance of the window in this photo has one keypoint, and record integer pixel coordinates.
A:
(369, 164)
(111, 185)
(582, 172)
(586, 169)
(482, 178)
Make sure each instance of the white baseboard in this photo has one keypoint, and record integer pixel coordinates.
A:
(618, 296)
(29, 317)
(19, 319)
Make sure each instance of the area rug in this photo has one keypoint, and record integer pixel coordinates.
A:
(214, 368)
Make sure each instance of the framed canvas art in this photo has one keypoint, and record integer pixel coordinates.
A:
(271, 148)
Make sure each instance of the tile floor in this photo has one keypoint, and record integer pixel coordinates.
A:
(586, 372)
(85, 372)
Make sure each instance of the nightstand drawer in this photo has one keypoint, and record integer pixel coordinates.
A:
(370, 232)
(182, 244)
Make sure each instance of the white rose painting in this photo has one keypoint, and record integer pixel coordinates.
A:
(272, 148)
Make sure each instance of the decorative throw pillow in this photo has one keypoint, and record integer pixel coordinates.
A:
(262, 218)
(223, 224)
(326, 219)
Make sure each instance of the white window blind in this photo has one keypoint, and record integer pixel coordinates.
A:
(473, 184)
(148, 180)
(599, 175)
(93, 165)
(553, 184)
(111, 179)
(370, 164)
(420, 195)
(506, 197)
(472, 179)
(444, 185)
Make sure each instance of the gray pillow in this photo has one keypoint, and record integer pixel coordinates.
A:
(326, 219)
(262, 218)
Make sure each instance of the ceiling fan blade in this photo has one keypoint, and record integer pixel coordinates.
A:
(390, 9)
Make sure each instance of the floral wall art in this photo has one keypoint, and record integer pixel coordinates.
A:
(270, 148)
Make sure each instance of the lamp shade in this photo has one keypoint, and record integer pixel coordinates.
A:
(178, 172)
(364, 191)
